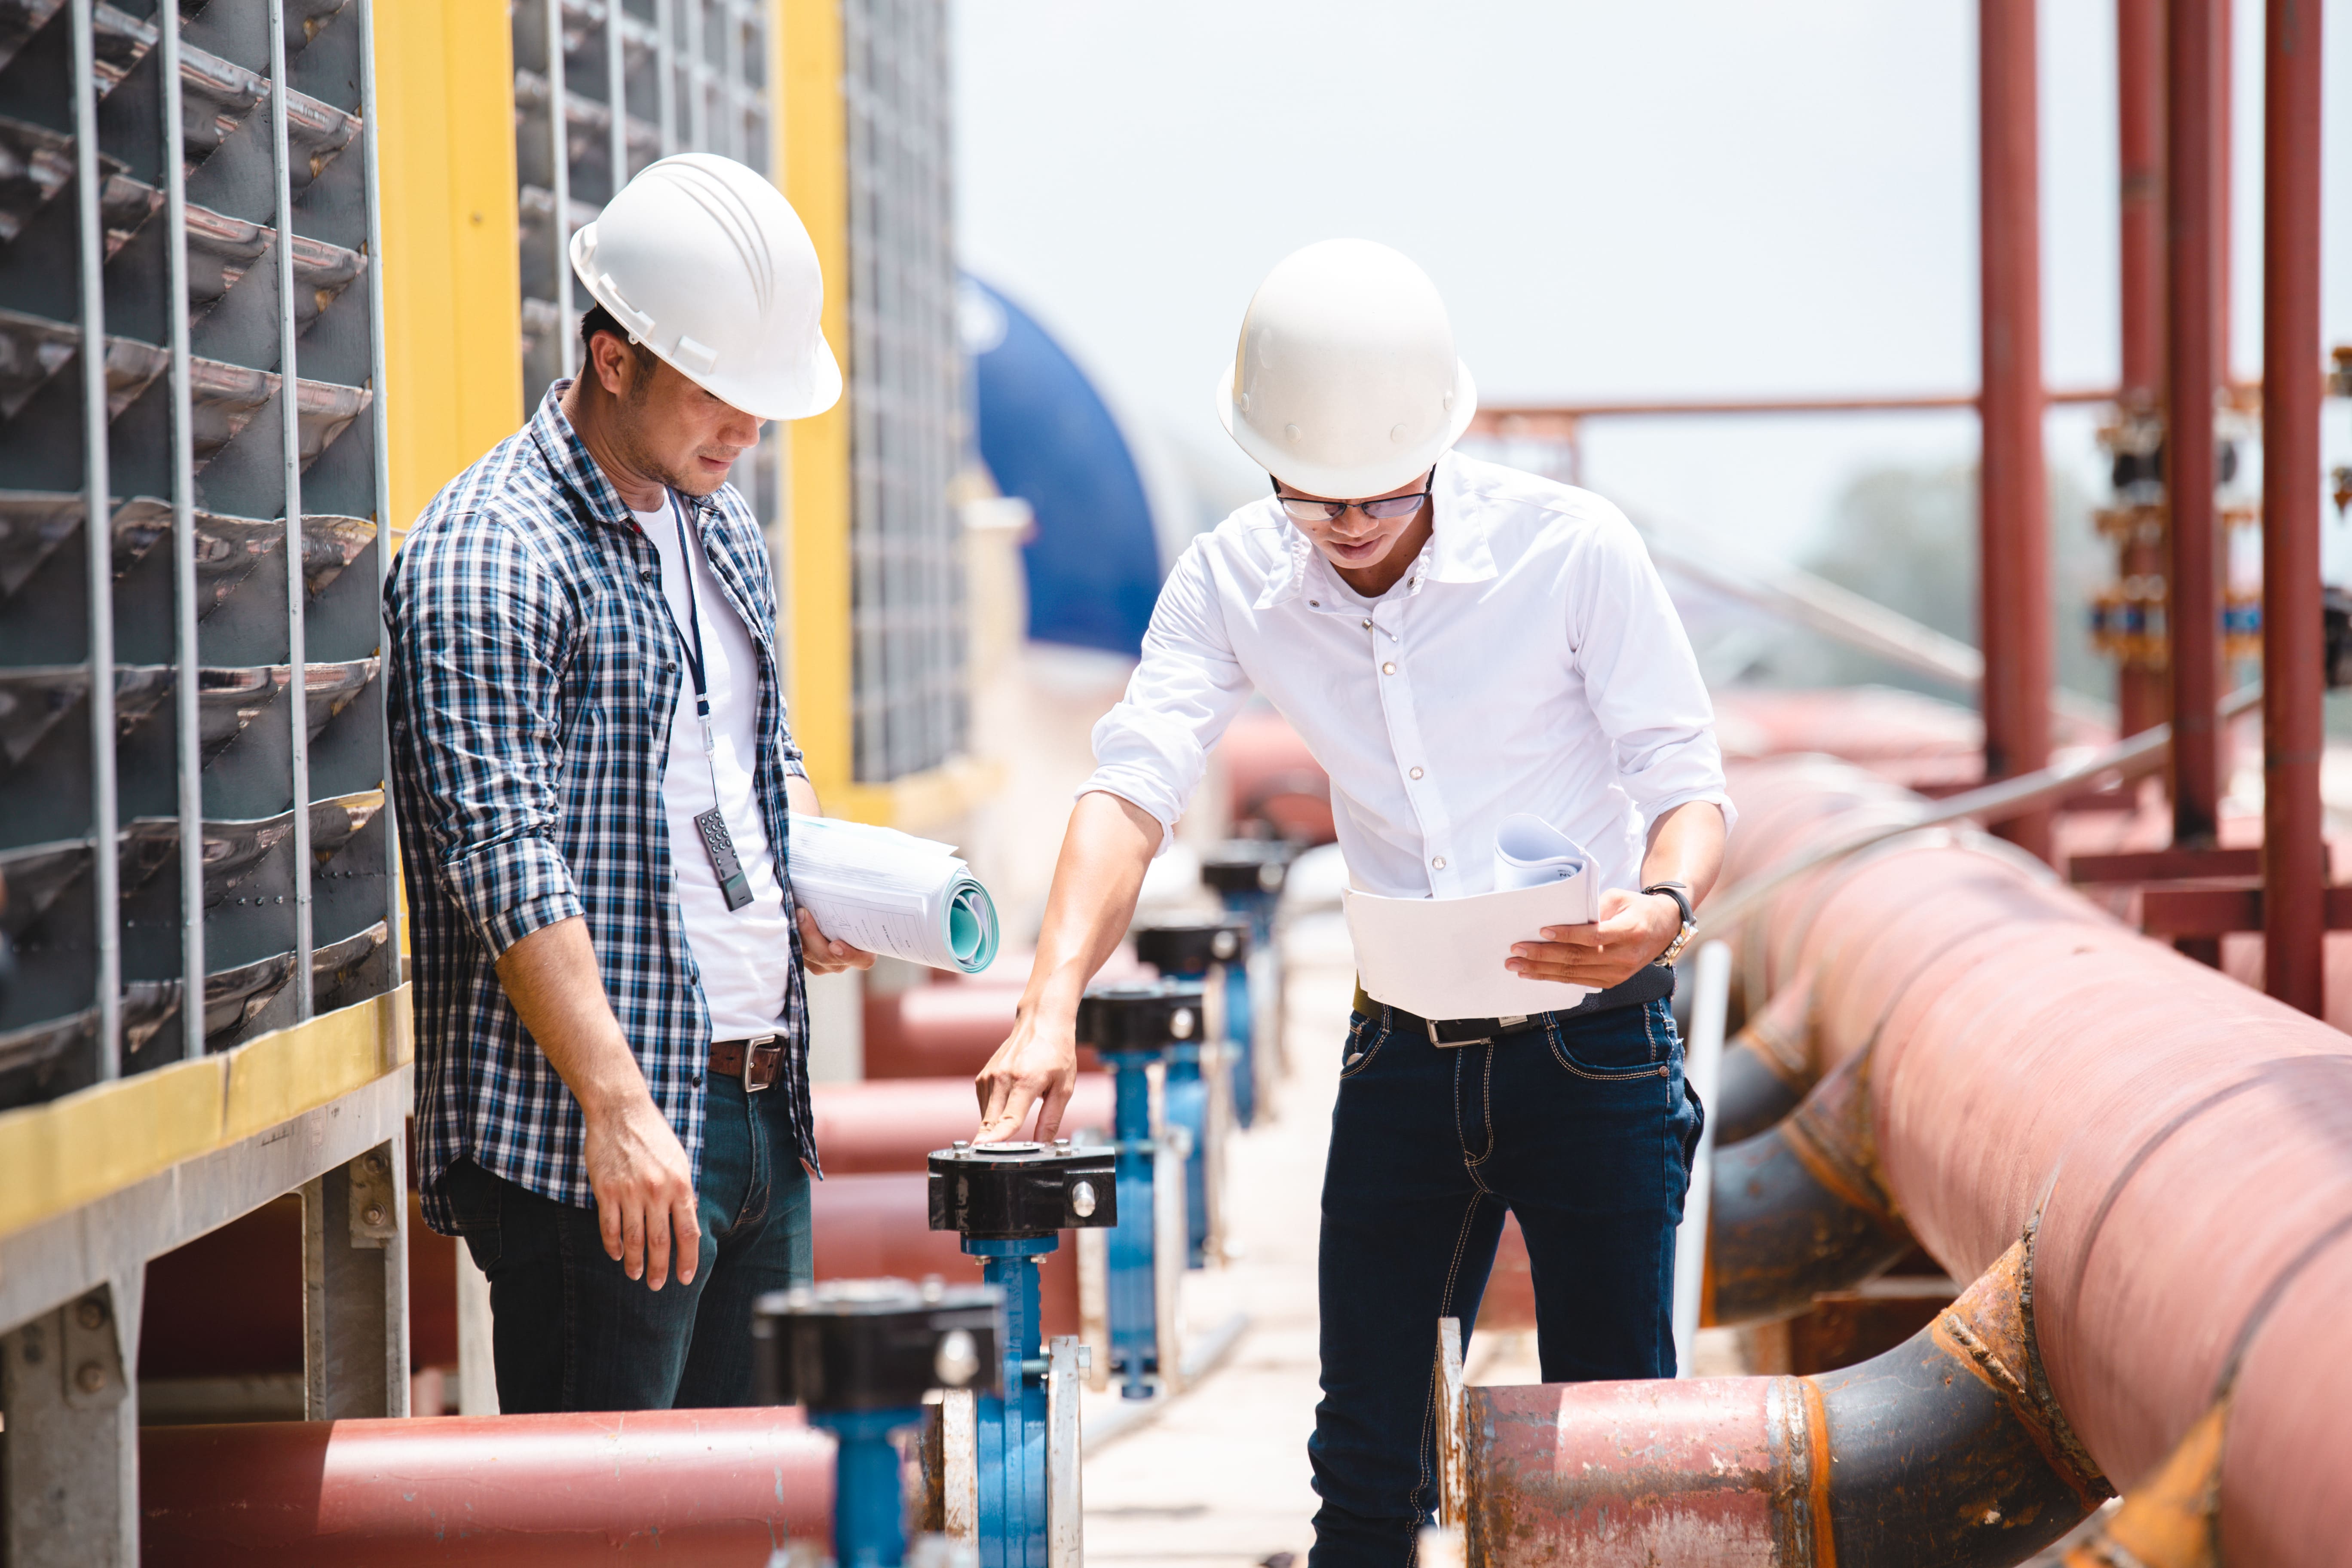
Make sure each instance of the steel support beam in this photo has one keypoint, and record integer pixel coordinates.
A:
(68, 1469)
(2196, 236)
(2015, 539)
(2142, 697)
(2294, 858)
(355, 1289)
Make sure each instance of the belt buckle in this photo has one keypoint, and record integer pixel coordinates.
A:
(752, 1049)
(1500, 1026)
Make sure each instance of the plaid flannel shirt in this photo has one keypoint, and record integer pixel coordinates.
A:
(534, 675)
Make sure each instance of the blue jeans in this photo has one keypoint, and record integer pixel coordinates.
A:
(1583, 1131)
(571, 1331)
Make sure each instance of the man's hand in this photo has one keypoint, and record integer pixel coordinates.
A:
(645, 1191)
(1632, 931)
(822, 955)
(1037, 1065)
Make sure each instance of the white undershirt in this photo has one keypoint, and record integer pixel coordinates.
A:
(745, 955)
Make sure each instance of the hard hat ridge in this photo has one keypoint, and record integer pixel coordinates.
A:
(1344, 380)
(706, 264)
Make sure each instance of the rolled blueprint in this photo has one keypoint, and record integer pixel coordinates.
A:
(890, 892)
(1529, 852)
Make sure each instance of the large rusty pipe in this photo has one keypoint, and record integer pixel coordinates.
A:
(1945, 1452)
(2180, 1149)
(2294, 915)
(691, 1487)
(2013, 578)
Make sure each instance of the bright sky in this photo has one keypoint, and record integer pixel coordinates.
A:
(1686, 197)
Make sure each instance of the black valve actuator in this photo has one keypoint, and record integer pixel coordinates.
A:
(1188, 945)
(1008, 1192)
(1150, 1016)
(873, 1345)
(1248, 865)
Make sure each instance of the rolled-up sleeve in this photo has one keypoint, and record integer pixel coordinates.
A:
(1640, 675)
(1152, 748)
(479, 627)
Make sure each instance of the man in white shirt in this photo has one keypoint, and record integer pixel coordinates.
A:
(1456, 642)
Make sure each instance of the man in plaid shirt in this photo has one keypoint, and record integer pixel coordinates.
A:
(595, 782)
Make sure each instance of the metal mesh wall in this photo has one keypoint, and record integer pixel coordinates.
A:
(192, 740)
(906, 549)
(685, 76)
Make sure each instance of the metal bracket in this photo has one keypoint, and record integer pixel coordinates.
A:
(91, 1358)
(374, 1211)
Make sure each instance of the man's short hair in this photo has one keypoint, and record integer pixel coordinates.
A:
(600, 320)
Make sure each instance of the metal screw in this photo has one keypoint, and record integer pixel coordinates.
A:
(374, 1162)
(1082, 1199)
(962, 1144)
(90, 1312)
(1061, 1142)
(1180, 1024)
(89, 1377)
(374, 1214)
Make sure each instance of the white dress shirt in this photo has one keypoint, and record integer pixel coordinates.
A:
(744, 956)
(1529, 660)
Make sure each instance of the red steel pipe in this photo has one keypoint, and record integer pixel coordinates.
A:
(2196, 231)
(2294, 923)
(2177, 1147)
(2013, 582)
(688, 1486)
(2141, 694)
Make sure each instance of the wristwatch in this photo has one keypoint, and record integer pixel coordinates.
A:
(1681, 895)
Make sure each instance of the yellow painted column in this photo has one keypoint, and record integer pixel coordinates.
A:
(813, 154)
(452, 278)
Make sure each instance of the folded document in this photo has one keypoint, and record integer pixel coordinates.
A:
(890, 892)
(1442, 958)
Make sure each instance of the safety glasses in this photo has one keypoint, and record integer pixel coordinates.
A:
(1388, 509)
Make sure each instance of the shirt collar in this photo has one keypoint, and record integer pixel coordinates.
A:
(567, 459)
(1457, 552)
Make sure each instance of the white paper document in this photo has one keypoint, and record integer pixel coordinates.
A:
(1442, 958)
(892, 893)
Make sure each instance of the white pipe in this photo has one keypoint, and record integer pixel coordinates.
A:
(1702, 1061)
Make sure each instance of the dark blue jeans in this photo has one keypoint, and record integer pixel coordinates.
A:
(573, 1332)
(1583, 1131)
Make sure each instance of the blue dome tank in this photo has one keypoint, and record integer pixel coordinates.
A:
(1048, 436)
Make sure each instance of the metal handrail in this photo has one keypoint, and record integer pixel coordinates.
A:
(2131, 757)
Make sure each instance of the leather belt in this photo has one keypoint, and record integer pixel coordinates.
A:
(756, 1061)
(1651, 983)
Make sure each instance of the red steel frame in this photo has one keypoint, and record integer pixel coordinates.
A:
(2197, 226)
(2142, 695)
(2014, 592)
(2294, 920)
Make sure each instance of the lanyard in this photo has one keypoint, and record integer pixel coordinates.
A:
(691, 635)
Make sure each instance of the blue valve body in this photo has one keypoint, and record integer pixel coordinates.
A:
(1134, 1321)
(1259, 907)
(1012, 1434)
(869, 1505)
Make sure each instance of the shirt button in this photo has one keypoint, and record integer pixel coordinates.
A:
(671, 667)
(1439, 862)
(1368, 626)
(1388, 670)
(1314, 604)
(1416, 773)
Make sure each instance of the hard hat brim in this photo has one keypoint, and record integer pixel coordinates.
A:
(1347, 482)
(797, 392)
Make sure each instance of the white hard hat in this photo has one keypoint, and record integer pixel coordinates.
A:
(1345, 381)
(704, 262)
